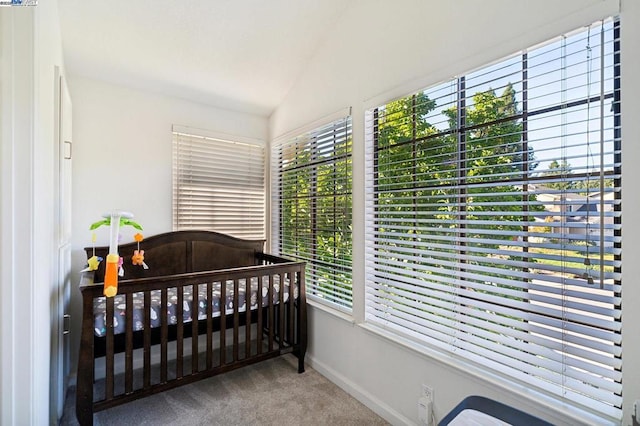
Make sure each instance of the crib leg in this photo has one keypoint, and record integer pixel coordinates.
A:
(84, 392)
(302, 322)
(86, 366)
(84, 416)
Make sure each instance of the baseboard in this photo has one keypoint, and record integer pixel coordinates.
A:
(379, 407)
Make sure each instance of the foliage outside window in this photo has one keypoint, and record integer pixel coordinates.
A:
(312, 208)
(495, 230)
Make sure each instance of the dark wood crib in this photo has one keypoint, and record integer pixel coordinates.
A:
(209, 303)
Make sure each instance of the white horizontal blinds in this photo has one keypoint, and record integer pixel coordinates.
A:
(312, 199)
(218, 185)
(493, 217)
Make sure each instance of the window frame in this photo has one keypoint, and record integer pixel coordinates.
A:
(371, 122)
(219, 183)
(333, 291)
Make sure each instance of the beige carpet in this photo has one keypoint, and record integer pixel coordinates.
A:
(268, 393)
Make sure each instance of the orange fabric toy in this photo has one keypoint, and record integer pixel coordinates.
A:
(138, 257)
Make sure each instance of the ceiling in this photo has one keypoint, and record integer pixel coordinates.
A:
(241, 55)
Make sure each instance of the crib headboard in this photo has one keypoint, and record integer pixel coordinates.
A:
(181, 252)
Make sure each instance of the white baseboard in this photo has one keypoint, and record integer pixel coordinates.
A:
(379, 407)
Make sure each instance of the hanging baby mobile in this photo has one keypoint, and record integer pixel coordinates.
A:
(114, 267)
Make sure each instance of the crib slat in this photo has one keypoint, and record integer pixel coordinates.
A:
(247, 324)
(109, 354)
(236, 318)
(281, 315)
(179, 331)
(147, 340)
(194, 328)
(259, 325)
(163, 335)
(128, 356)
(291, 316)
(223, 322)
(209, 302)
(271, 313)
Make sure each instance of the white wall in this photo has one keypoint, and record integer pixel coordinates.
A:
(380, 50)
(122, 159)
(30, 49)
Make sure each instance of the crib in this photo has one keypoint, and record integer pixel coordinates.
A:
(209, 303)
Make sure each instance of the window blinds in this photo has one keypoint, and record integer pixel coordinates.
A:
(218, 185)
(312, 208)
(494, 218)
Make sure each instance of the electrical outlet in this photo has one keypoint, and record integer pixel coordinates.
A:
(427, 392)
(424, 411)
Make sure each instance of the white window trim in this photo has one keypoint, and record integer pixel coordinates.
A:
(185, 131)
(274, 211)
(505, 382)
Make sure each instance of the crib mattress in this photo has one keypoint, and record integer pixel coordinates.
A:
(257, 292)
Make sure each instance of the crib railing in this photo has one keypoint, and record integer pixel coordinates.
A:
(209, 344)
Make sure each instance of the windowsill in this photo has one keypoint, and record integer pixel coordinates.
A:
(532, 398)
(332, 311)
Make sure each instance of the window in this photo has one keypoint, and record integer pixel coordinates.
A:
(312, 208)
(495, 229)
(218, 184)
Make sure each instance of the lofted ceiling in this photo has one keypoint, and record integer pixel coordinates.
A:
(241, 55)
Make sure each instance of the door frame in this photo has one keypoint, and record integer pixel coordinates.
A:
(60, 322)
(24, 344)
